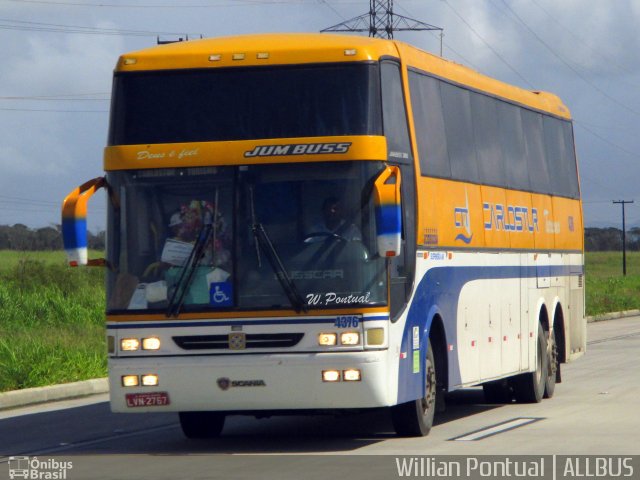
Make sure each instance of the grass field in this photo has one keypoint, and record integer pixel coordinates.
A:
(606, 289)
(51, 321)
(52, 316)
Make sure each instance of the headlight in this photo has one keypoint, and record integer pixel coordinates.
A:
(330, 376)
(150, 380)
(130, 380)
(351, 375)
(151, 343)
(350, 338)
(327, 339)
(129, 344)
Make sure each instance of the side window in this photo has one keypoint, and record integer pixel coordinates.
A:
(513, 146)
(484, 111)
(428, 119)
(554, 142)
(534, 143)
(456, 104)
(570, 160)
(394, 114)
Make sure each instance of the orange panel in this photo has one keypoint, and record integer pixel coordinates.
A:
(568, 223)
(449, 214)
(544, 234)
(520, 220)
(493, 210)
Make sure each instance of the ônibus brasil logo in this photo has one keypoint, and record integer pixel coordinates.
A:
(34, 468)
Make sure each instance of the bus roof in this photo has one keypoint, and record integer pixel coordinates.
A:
(310, 48)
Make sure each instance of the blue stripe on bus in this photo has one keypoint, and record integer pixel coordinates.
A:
(439, 292)
(245, 322)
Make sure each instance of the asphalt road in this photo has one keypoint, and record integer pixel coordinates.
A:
(594, 411)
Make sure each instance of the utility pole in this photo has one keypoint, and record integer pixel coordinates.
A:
(624, 235)
(381, 22)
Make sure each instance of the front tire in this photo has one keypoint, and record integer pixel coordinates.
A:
(415, 418)
(201, 424)
(530, 387)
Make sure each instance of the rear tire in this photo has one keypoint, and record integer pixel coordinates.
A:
(201, 424)
(553, 365)
(530, 387)
(415, 418)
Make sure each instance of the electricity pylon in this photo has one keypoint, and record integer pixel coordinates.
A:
(381, 22)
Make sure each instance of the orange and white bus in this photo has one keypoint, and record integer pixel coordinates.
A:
(313, 223)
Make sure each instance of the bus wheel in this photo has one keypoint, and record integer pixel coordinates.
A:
(553, 365)
(415, 418)
(529, 387)
(201, 424)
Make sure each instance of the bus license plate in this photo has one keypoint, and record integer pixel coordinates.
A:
(154, 399)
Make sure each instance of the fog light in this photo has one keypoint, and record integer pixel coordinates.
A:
(151, 343)
(350, 338)
(375, 336)
(327, 339)
(330, 376)
(351, 375)
(150, 380)
(130, 381)
(129, 344)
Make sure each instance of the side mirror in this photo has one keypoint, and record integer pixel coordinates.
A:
(388, 212)
(74, 222)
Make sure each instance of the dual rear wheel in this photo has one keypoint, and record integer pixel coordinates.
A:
(529, 387)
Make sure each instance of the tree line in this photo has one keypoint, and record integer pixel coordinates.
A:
(21, 237)
(610, 239)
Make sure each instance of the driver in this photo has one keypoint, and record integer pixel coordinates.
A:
(333, 223)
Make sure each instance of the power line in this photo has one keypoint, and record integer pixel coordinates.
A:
(474, 31)
(583, 43)
(9, 24)
(50, 110)
(235, 3)
(606, 140)
(440, 37)
(565, 62)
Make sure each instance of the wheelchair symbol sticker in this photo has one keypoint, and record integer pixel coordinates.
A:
(221, 294)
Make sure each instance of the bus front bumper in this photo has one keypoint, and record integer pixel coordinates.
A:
(236, 383)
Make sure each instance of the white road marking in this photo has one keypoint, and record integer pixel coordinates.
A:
(495, 429)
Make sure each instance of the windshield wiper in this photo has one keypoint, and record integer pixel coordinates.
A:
(264, 242)
(188, 270)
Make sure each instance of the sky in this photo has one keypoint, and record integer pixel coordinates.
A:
(58, 56)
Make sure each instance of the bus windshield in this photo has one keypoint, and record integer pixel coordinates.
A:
(315, 220)
(222, 104)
